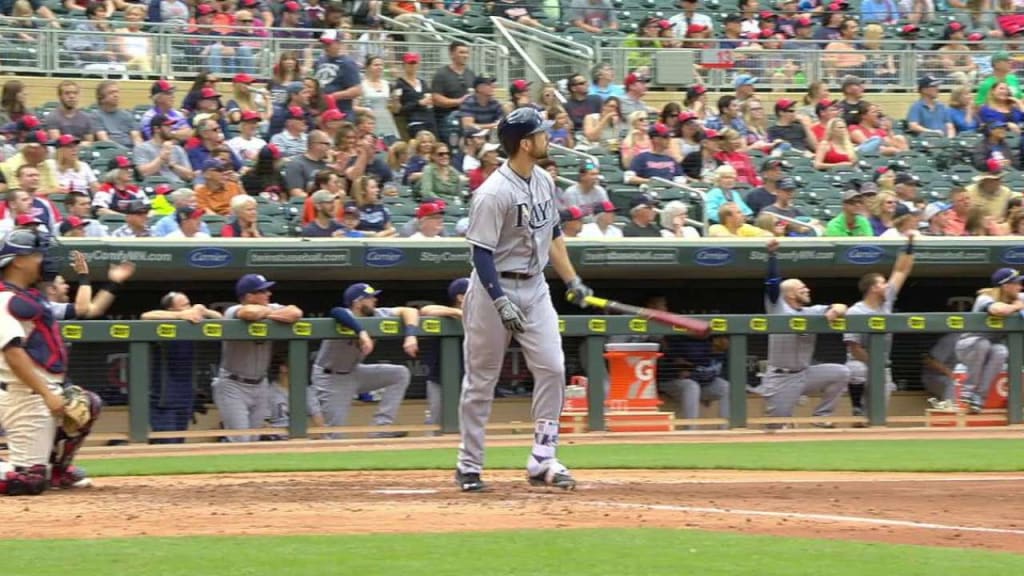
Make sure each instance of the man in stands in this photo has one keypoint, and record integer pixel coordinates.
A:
(572, 221)
(162, 94)
(682, 21)
(112, 123)
(161, 155)
(215, 194)
(300, 172)
(603, 225)
(18, 210)
(337, 73)
(733, 223)
(580, 103)
(851, 221)
(1002, 71)
(656, 163)
(587, 191)
(297, 95)
(190, 223)
(79, 205)
(636, 89)
(211, 137)
(429, 221)
(602, 78)
(481, 111)
(771, 172)
(789, 128)
(728, 116)
(853, 107)
(38, 206)
(594, 16)
(136, 220)
(450, 85)
(324, 224)
(33, 152)
(928, 115)
(642, 217)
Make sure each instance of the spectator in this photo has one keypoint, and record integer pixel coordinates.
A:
(292, 141)
(79, 205)
(728, 117)
(603, 225)
(118, 190)
(450, 87)
(690, 134)
(72, 174)
(853, 106)
(245, 98)
(422, 148)
(162, 156)
(954, 55)
(788, 128)
(882, 11)
(17, 210)
(732, 153)
(606, 128)
(783, 206)
(935, 218)
(398, 159)
(95, 48)
(673, 221)
(771, 172)
(376, 97)
(481, 111)
(816, 92)
(581, 103)
(851, 221)
(211, 137)
(571, 221)
(655, 163)
(72, 227)
(826, 111)
(642, 217)
(247, 144)
(429, 221)
(637, 140)
(633, 100)
(745, 86)
(293, 30)
(905, 186)
(905, 221)
(757, 125)
(12, 102)
(963, 113)
(324, 225)
(190, 223)
(882, 208)
(135, 221)
(111, 122)
(33, 153)
(440, 179)
(732, 223)
(840, 56)
(373, 215)
(699, 165)
(173, 14)
(489, 162)
(724, 181)
(180, 199)
(993, 148)
(68, 118)
(682, 21)
(244, 219)
(215, 194)
(297, 94)
(874, 134)
(955, 223)
(836, 151)
(928, 115)
(1002, 73)
(988, 193)
(301, 170)
(602, 82)
(134, 46)
(587, 191)
(1002, 107)
(203, 80)
(264, 178)
(593, 16)
(162, 94)
(415, 100)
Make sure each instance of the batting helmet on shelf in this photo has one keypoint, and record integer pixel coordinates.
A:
(21, 241)
(519, 124)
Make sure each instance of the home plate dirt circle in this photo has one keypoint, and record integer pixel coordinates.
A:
(956, 510)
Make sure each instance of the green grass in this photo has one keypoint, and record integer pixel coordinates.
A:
(562, 552)
(875, 456)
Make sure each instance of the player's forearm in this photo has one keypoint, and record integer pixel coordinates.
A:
(439, 310)
(560, 261)
(99, 305)
(286, 315)
(410, 319)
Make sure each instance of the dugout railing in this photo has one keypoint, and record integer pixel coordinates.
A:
(596, 331)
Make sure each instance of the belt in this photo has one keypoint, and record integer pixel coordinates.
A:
(3, 386)
(516, 275)
(786, 371)
(250, 381)
(329, 371)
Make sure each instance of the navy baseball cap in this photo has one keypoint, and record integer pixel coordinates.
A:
(787, 183)
(1005, 276)
(252, 283)
(458, 286)
(357, 292)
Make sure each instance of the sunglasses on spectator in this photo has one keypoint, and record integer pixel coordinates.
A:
(442, 153)
(248, 21)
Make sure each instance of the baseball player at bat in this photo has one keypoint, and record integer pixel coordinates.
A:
(34, 404)
(790, 372)
(514, 233)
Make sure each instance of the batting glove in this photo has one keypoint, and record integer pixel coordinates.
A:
(511, 315)
(577, 292)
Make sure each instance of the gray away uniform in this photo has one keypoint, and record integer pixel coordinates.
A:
(339, 375)
(983, 353)
(790, 373)
(240, 388)
(944, 352)
(858, 369)
(278, 409)
(517, 221)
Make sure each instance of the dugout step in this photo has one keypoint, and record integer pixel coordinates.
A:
(960, 419)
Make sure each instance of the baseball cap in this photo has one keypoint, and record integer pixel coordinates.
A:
(243, 78)
(633, 78)
(519, 86)
(351, 209)
(772, 163)
(292, 6)
(954, 26)
(803, 22)
(161, 120)
(66, 141)
(838, 6)
(902, 210)
(906, 178)
(251, 116)
(270, 152)
(162, 190)
(867, 188)
(209, 94)
(323, 196)
(252, 283)
(357, 292)
(205, 10)
(695, 90)
(767, 15)
(161, 87)
(1001, 56)
(188, 213)
(332, 115)
(976, 36)
(119, 162)
(411, 58)
(37, 137)
(659, 130)
(330, 37)
(28, 122)
(784, 105)
(295, 113)
(745, 80)
(711, 133)
(931, 210)
(483, 79)
(787, 183)
(214, 164)
(427, 209)
(732, 18)
(1005, 276)
(136, 207)
(928, 82)
(851, 80)
(909, 29)
(696, 29)
(687, 116)
(570, 214)
(822, 105)
(604, 207)
(852, 194)
(458, 286)
(71, 223)
(643, 201)
(487, 148)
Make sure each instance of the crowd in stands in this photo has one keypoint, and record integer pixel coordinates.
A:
(334, 141)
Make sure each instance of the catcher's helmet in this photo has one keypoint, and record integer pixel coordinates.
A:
(23, 240)
(519, 124)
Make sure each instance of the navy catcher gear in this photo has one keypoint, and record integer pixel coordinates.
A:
(22, 241)
(519, 124)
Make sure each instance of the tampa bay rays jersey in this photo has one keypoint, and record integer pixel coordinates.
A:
(246, 358)
(861, 307)
(515, 219)
(791, 351)
(341, 356)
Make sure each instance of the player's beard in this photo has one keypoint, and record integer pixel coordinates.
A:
(538, 151)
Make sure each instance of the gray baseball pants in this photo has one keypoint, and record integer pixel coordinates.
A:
(859, 375)
(984, 360)
(781, 391)
(689, 394)
(939, 385)
(335, 391)
(484, 348)
(240, 405)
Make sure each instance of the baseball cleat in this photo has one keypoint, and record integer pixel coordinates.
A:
(73, 477)
(469, 481)
(554, 475)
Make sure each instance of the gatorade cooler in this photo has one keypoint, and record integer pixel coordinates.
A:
(632, 403)
(998, 391)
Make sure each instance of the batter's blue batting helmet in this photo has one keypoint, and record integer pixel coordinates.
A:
(458, 286)
(20, 241)
(519, 124)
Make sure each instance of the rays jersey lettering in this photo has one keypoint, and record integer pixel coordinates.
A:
(537, 216)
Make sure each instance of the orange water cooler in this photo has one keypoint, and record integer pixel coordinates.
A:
(993, 412)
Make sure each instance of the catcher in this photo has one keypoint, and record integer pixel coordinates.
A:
(46, 422)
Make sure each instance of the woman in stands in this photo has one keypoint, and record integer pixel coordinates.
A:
(878, 65)
(816, 92)
(724, 181)
(73, 175)
(962, 110)
(373, 215)
(318, 101)
(245, 98)
(133, 43)
(836, 150)
(286, 71)
(440, 178)
(560, 132)
(398, 159)
(673, 221)
(12, 101)
(756, 120)
(696, 101)
(205, 79)
(733, 152)
(422, 148)
(377, 96)
(882, 207)
(1002, 107)
(244, 220)
(874, 134)
(415, 104)
(264, 177)
(636, 140)
(607, 127)
(690, 134)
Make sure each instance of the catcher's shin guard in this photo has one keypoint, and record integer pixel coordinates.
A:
(67, 444)
(23, 481)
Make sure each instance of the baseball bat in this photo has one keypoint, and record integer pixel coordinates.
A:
(698, 328)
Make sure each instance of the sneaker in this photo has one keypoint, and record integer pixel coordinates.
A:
(553, 474)
(73, 477)
(469, 481)
(828, 425)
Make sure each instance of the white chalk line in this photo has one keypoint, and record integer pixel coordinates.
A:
(404, 491)
(811, 517)
(828, 480)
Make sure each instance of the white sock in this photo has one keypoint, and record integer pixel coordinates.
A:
(545, 440)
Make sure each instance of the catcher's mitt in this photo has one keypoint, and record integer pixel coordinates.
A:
(77, 409)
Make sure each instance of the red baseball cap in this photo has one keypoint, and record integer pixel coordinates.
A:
(66, 141)
(209, 94)
(38, 137)
(28, 122)
(330, 37)
(976, 36)
(605, 206)
(205, 9)
(955, 26)
(659, 130)
(122, 162)
(570, 214)
(26, 220)
(332, 115)
(411, 58)
(296, 113)
(695, 29)
(520, 85)
(910, 29)
(274, 150)
(664, 24)
(633, 78)
(686, 117)
(251, 116)
(803, 22)
(428, 209)
(784, 104)
(710, 133)
(162, 189)
(768, 15)
(993, 165)
(161, 87)
(292, 6)
(243, 78)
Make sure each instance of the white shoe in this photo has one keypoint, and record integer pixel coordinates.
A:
(550, 472)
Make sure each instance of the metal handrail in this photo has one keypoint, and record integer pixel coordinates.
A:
(507, 34)
(816, 229)
(448, 33)
(589, 157)
(552, 41)
(700, 194)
